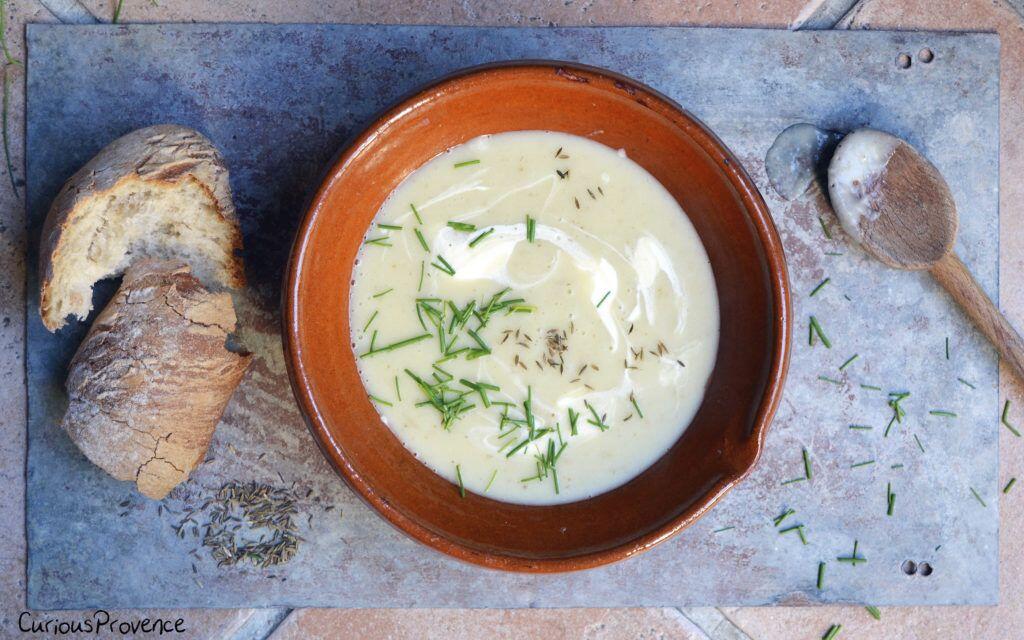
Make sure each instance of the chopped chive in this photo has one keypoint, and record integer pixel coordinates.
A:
(861, 427)
(494, 474)
(947, 347)
(723, 529)
(476, 240)
(416, 213)
(870, 387)
(832, 380)
(834, 630)
(383, 293)
(818, 288)
(849, 361)
(423, 266)
(862, 464)
(821, 575)
(794, 480)
(632, 398)
(380, 242)
(597, 421)
(380, 400)
(370, 321)
(965, 383)
(828, 234)
(977, 497)
(799, 528)
(777, 520)
(389, 227)
(873, 610)
(807, 464)
(394, 345)
(423, 241)
(462, 487)
(531, 229)
(574, 417)
(816, 330)
(466, 163)
(1009, 485)
(601, 301)
(1005, 419)
(853, 558)
(919, 445)
(461, 226)
(444, 266)
(890, 499)
(398, 390)
(942, 412)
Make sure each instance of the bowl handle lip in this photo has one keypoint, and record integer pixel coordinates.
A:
(774, 263)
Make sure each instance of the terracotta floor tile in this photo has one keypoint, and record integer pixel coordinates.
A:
(476, 624)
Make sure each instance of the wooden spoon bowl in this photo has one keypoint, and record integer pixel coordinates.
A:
(725, 438)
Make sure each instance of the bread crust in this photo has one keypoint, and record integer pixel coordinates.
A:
(150, 381)
(165, 153)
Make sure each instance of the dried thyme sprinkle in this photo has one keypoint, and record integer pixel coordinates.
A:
(237, 514)
(423, 241)
(461, 226)
(1009, 485)
(476, 240)
(819, 287)
(462, 487)
(1005, 419)
(874, 612)
(603, 298)
(816, 330)
(416, 213)
(466, 163)
(807, 464)
(821, 575)
(977, 497)
(942, 412)
(849, 361)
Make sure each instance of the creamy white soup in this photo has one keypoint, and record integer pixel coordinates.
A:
(534, 317)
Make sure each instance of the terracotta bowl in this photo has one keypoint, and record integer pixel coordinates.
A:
(718, 449)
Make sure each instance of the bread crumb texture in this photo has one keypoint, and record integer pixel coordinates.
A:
(149, 383)
(159, 192)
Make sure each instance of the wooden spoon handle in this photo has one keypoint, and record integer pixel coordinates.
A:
(958, 281)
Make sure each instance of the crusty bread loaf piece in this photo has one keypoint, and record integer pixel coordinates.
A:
(150, 381)
(158, 192)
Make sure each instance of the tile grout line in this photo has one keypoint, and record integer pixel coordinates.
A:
(714, 623)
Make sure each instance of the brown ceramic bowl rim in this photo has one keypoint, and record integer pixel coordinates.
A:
(774, 258)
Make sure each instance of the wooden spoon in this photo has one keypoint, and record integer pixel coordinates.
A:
(897, 205)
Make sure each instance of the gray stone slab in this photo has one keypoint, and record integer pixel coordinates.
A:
(281, 100)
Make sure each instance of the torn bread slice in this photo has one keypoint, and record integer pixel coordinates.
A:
(150, 381)
(158, 192)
